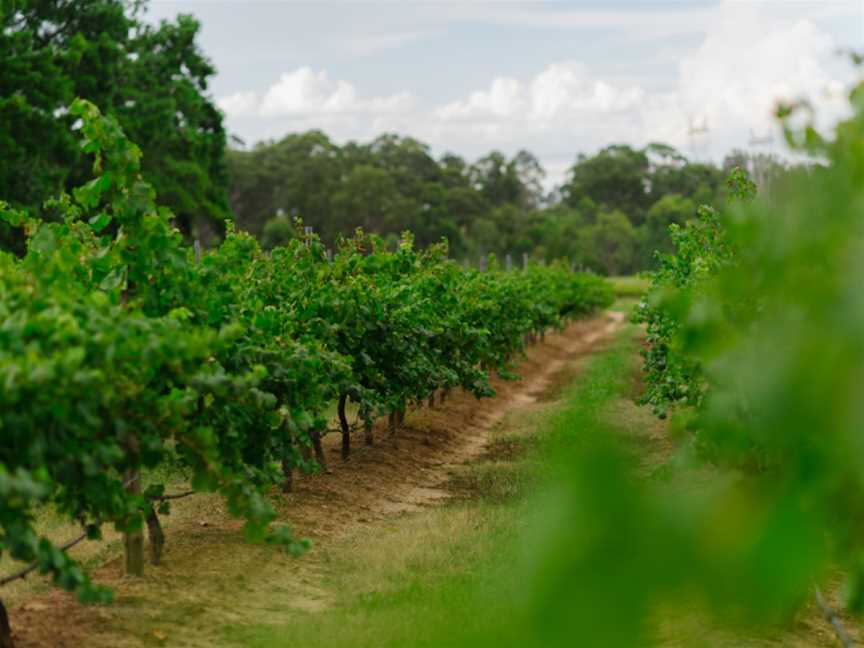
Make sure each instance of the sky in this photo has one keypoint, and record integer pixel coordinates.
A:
(556, 78)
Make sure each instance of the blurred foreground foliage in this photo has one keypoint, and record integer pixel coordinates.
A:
(756, 344)
(756, 347)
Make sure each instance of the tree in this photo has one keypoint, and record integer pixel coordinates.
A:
(556, 234)
(53, 51)
(503, 181)
(297, 175)
(672, 208)
(496, 205)
(366, 198)
(408, 160)
(454, 170)
(612, 244)
(277, 232)
(431, 219)
(615, 179)
(671, 173)
(180, 126)
(531, 175)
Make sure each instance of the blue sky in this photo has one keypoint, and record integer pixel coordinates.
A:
(555, 78)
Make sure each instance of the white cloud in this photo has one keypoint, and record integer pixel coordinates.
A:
(748, 60)
(565, 90)
(750, 57)
(559, 94)
(504, 98)
(561, 110)
(305, 92)
(745, 66)
(239, 104)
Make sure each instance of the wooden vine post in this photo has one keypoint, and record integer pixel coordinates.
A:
(343, 424)
(133, 541)
(5, 629)
(391, 425)
(315, 435)
(288, 476)
(156, 536)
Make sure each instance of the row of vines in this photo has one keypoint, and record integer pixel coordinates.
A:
(122, 349)
(755, 352)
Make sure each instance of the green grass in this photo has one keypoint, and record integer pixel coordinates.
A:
(408, 587)
(453, 575)
(628, 291)
(632, 286)
(538, 549)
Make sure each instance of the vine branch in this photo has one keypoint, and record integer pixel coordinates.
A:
(172, 496)
(26, 571)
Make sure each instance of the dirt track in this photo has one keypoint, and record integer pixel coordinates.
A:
(210, 577)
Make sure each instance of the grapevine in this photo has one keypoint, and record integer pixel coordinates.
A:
(124, 351)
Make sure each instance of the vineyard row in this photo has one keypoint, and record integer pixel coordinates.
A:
(123, 350)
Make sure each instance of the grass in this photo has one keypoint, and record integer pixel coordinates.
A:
(503, 564)
(628, 291)
(501, 567)
(452, 575)
(633, 286)
(404, 587)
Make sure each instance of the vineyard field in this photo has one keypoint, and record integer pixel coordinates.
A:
(411, 518)
(139, 356)
(431, 324)
(223, 584)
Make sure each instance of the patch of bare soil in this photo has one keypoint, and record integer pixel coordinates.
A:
(209, 577)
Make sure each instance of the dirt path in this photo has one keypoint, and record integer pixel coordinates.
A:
(210, 577)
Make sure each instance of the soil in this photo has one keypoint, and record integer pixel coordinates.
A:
(209, 576)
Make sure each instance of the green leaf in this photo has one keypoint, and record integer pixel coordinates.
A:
(114, 279)
(100, 221)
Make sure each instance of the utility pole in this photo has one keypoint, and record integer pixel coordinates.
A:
(698, 134)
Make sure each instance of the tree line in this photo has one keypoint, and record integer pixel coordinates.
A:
(610, 214)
